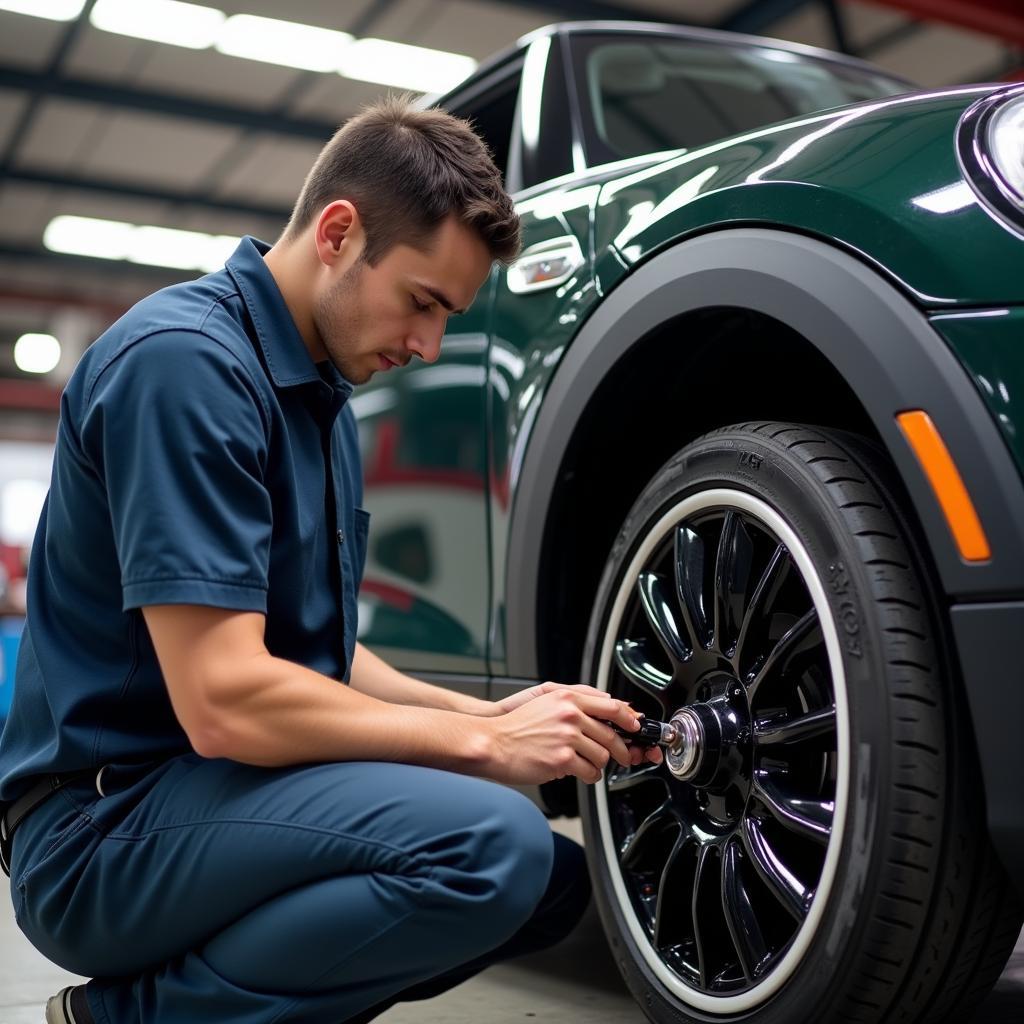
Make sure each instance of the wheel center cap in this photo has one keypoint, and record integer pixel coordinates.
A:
(708, 749)
(685, 756)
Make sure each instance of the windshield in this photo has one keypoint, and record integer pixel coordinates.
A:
(647, 94)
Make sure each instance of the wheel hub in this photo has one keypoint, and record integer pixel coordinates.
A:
(710, 749)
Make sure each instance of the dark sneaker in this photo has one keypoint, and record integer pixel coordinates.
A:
(69, 1006)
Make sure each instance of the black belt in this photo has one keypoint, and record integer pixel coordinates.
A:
(14, 814)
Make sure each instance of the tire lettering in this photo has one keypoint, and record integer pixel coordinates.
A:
(838, 581)
(751, 460)
(850, 622)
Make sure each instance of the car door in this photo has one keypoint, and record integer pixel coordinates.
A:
(538, 301)
(424, 601)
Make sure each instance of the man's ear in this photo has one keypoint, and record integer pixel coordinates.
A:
(338, 235)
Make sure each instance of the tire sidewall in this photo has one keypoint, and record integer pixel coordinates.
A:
(763, 468)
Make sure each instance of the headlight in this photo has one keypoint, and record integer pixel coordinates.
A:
(990, 147)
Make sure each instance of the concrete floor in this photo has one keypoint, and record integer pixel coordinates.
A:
(578, 980)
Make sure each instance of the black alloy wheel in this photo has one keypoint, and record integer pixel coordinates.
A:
(792, 858)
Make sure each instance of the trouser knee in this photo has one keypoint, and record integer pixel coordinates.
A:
(506, 872)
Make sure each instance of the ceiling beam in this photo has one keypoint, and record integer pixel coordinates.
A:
(1001, 18)
(53, 70)
(127, 190)
(84, 90)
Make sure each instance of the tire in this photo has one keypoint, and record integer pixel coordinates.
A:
(825, 858)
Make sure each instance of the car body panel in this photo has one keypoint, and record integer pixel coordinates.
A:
(880, 179)
(529, 333)
(990, 344)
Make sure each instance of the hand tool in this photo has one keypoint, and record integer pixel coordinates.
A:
(651, 733)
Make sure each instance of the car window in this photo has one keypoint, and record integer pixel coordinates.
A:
(493, 113)
(647, 95)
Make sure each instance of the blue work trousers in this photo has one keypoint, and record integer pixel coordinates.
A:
(204, 889)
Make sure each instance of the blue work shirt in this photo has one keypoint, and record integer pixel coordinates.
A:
(202, 458)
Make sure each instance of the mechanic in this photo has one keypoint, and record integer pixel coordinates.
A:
(205, 823)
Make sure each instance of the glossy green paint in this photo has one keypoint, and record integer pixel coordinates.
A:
(528, 334)
(870, 178)
(990, 344)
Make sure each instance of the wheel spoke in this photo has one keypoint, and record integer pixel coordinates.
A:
(739, 914)
(794, 730)
(689, 557)
(765, 593)
(655, 823)
(732, 578)
(627, 779)
(698, 880)
(657, 606)
(663, 883)
(811, 819)
(803, 636)
(786, 887)
(632, 657)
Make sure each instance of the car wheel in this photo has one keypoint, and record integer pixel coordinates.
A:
(815, 849)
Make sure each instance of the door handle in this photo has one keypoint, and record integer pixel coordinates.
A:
(545, 265)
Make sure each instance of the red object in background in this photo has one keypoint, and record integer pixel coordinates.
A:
(12, 558)
(1003, 19)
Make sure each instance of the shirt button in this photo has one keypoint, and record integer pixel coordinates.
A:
(341, 536)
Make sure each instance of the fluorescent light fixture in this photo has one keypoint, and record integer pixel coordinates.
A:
(155, 246)
(55, 10)
(407, 67)
(161, 21)
(89, 236)
(947, 199)
(282, 42)
(36, 353)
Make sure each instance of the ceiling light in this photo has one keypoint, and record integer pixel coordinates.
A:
(55, 10)
(407, 67)
(155, 246)
(162, 21)
(36, 353)
(89, 236)
(282, 42)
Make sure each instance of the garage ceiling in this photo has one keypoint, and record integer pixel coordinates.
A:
(98, 124)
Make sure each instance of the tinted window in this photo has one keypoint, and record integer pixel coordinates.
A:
(493, 113)
(646, 94)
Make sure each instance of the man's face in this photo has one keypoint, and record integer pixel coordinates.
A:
(374, 318)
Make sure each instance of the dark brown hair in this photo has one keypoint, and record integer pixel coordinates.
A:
(406, 170)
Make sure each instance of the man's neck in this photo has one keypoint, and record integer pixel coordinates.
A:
(293, 277)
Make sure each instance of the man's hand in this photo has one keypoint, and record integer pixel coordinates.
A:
(637, 754)
(559, 731)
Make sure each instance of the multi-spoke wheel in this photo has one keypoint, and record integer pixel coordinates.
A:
(791, 859)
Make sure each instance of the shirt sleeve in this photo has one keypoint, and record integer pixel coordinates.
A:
(179, 436)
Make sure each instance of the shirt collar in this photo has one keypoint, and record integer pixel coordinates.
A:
(288, 359)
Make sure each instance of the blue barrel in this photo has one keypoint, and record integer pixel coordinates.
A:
(10, 637)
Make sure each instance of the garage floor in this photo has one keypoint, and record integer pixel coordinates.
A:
(577, 980)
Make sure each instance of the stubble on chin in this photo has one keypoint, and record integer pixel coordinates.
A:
(337, 318)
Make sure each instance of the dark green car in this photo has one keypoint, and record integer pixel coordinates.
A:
(740, 438)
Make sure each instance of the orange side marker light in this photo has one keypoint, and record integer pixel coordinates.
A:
(931, 451)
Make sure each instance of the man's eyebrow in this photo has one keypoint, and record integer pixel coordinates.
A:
(440, 296)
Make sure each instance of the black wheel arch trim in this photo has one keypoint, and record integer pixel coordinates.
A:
(880, 343)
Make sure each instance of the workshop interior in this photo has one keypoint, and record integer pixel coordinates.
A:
(737, 437)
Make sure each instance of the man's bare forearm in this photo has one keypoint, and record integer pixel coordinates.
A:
(375, 677)
(274, 712)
